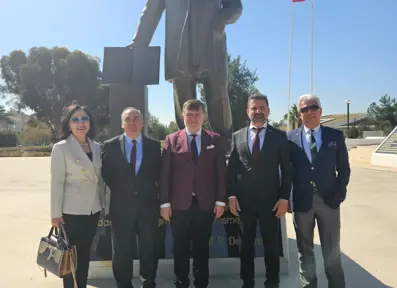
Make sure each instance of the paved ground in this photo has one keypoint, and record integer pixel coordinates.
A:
(369, 236)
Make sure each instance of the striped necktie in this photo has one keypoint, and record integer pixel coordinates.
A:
(313, 146)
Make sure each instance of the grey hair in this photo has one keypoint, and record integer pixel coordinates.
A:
(131, 109)
(308, 97)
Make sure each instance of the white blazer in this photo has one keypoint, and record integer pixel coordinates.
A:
(76, 182)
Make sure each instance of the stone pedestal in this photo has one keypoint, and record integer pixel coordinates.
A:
(122, 96)
(128, 71)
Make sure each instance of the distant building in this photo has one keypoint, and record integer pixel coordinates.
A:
(18, 122)
(339, 121)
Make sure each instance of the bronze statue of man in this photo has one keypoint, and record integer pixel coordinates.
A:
(195, 52)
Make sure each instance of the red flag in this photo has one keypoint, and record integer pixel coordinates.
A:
(298, 0)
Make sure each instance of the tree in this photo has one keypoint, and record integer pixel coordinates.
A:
(156, 129)
(4, 116)
(384, 114)
(294, 120)
(47, 80)
(172, 127)
(241, 84)
(35, 133)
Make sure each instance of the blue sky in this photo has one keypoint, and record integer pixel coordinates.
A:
(355, 44)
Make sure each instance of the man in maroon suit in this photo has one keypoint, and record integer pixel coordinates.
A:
(193, 192)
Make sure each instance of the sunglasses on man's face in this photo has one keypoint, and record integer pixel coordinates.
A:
(311, 108)
(83, 119)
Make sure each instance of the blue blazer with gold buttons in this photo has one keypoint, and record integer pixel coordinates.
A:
(329, 175)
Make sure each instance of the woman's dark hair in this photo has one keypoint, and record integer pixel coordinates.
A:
(65, 129)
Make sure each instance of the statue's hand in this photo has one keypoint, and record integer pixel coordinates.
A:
(133, 44)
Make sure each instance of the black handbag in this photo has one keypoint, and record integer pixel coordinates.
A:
(56, 255)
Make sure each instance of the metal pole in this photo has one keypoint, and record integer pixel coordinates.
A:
(290, 66)
(312, 53)
(348, 122)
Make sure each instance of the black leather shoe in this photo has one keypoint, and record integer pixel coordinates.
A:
(272, 285)
(181, 284)
(247, 284)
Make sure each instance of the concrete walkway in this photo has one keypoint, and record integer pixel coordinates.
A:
(369, 230)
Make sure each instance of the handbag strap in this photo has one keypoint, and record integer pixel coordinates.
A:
(73, 268)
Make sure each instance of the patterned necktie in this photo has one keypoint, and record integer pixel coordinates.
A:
(133, 156)
(193, 148)
(313, 146)
(256, 148)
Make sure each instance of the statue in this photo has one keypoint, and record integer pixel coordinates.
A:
(195, 52)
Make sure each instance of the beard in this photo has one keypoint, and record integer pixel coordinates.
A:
(258, 117)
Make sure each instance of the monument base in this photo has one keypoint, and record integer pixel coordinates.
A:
(218, 266)
(386, 154)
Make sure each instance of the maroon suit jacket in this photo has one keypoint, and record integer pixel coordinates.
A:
(180, 177)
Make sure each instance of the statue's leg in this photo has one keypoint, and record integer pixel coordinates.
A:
(184, 90)
(219, 112)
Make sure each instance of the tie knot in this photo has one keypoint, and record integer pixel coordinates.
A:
(193, 135)
(133, 141)
(257, 129)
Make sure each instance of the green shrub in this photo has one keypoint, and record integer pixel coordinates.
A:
(8, 139)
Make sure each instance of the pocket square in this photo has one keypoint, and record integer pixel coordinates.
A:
(210, 147)
(332, 144)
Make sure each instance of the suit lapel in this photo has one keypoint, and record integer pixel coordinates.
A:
(324, 140)
(145, 152)
(181, 143)
(246, 133)
(122, 149)
(267, 140)
(79, 154)
(205, 142)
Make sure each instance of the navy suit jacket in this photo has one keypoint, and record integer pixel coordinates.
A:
(330, 173)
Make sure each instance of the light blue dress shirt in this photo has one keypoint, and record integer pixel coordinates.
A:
(139, 150)
(198, 140)
(306, 140)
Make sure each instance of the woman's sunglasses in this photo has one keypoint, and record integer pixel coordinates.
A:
(76, 120)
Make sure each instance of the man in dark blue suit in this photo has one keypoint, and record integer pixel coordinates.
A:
(321, 173)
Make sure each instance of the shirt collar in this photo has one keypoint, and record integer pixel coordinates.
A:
(263, 126)
(129, 140)
(190, 134)
(316, 130)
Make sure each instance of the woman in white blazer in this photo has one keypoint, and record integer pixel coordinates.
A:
(77, 197)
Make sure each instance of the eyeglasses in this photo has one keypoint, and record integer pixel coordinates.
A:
(83, 119)
(311, 108)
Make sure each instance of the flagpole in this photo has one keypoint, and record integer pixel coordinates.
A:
(290, 64)
(312, 53)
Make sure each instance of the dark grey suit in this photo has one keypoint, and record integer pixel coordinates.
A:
(134, 208)
(318, 190)
(257, 186)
